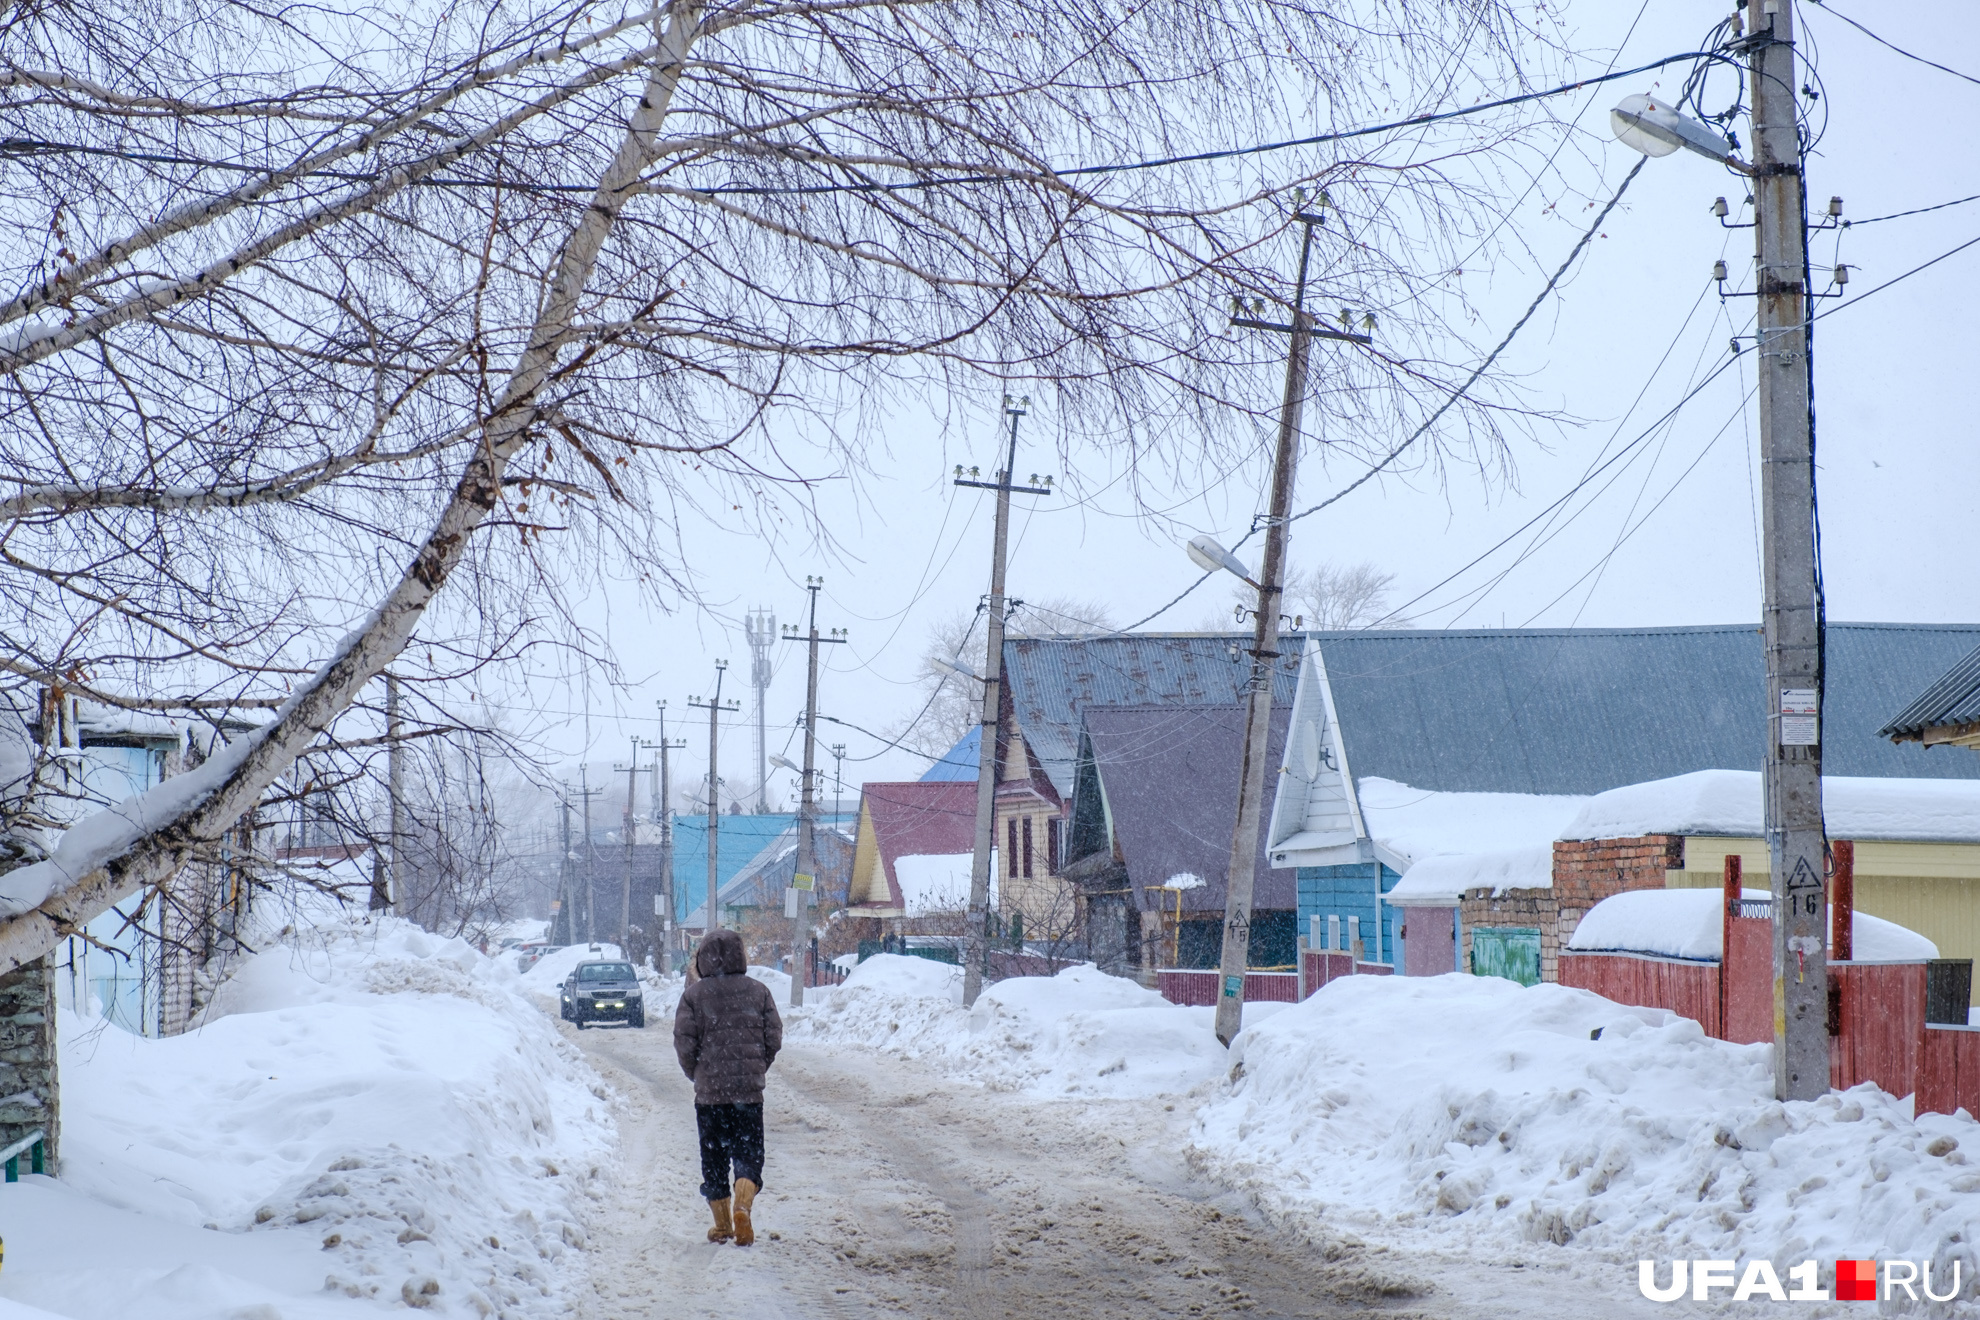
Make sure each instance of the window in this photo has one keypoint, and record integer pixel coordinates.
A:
(1027, 847)
(1011, 867)
(1052, 826)
(605, 972)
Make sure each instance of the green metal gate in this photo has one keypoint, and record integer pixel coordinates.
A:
(1509, 951)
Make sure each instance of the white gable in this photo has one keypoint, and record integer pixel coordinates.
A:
(1314, 807)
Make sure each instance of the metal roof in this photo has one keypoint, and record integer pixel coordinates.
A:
(1953, 699)
(1587, 709)
(1170, 777)
(959, 763)
(1054, 679)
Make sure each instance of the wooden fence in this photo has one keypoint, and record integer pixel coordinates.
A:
(1198, 988)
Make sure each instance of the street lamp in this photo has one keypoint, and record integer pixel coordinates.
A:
(1658, 130)
(783, 764)
(955, 669)
(1210, 556)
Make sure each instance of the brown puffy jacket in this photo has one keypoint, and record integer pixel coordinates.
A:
(726, 1031)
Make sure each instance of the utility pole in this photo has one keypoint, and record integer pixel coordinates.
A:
(804, 880)
(585, 793)
(976, 935)
(1790, 616)
(1265, 649)
(760, 630)
(838, 778)
(664, 804)
(714, 707)
(629, 828)
(385, 861)
(566, 912)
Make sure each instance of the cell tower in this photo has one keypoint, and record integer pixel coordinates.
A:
(760, 631)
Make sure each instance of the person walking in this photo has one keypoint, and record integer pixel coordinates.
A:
(726, 1035)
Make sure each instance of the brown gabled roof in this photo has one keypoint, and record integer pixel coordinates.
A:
(910, 819)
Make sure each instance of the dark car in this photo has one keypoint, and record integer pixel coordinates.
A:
(603, 990)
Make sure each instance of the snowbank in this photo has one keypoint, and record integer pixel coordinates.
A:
(1080, 1033)
(1727, 802)
(386, 1098)
(938, 882)
(554, 967)
(1690, 923)
(1481, 1112)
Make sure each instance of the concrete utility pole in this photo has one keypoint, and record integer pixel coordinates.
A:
(977, 934)
(629, 829)
(566, 908)
(385, 861)
(1265, 651)
(585, 793)
(760, 630)
(838, 777)
(714, 707)
(664, 808)
(1791, 622)
(804, 880)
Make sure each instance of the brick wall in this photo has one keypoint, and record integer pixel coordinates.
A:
(1586, 871)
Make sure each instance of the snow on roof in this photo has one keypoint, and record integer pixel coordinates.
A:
(1689, 923)
(1440, 881)
(1411, 824)
(1727, 802)
(938, 882)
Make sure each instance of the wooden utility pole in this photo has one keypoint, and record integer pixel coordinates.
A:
(385, 861)
(714, 708)
(976, 934)
(1240, 877)
(1790, 617)
(804, 879)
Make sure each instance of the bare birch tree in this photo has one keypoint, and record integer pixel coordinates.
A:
(339, 340)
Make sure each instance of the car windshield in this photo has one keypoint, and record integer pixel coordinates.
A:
(605, 972)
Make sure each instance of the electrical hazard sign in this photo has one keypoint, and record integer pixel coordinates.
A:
(1800, 717)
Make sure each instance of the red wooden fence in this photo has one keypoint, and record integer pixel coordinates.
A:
(1948, 1070)
(1881, 1027)
(1199, 988)
(1690, 989)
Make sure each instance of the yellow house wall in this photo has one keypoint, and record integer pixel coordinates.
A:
(1932, 888)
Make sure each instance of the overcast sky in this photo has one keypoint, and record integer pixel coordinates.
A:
(1667, 536)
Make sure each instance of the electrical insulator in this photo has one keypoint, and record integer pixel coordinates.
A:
(1842, 275)
(1719, 207)
(1719, 271)
(1835, 206)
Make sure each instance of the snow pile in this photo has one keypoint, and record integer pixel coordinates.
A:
(1408, 824)
(937, 882)
(555, 967)
(388, 1092)
(1690, 923)
(1080, 1033)
(1440, 881)
(1727, 802)
(1475, 1109)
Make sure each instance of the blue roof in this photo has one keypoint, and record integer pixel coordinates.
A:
(959, 763)
(737, 842)
(1054, 679)
(1587, 709)
(1953, 700)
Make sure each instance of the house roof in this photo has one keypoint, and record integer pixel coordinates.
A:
(1952, 699)
(1053, 679)
(913, 818)
(1588, 709)
(739, 841)
(959, 763)
(1169, 775)
(776, 861)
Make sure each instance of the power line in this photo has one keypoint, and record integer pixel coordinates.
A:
(1851, 302)
(41, 147)
(1899, 215)
(1824, 6)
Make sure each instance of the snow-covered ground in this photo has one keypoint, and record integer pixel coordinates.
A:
(1462, 1113)
(368, 1114)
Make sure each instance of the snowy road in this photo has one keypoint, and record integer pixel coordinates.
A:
(889, 1190)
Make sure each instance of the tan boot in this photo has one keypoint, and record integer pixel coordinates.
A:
(745, 1198)
(724, 1228)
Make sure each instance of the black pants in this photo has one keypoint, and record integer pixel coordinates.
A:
(730, 1134)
